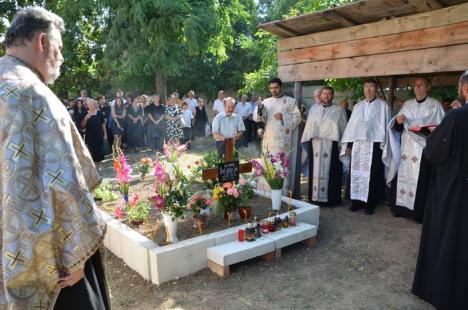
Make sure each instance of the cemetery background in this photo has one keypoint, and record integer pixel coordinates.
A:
(358, 262)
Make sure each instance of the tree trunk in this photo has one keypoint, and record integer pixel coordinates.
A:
(160, 83)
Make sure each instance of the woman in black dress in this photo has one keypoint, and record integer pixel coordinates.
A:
(79, 112)
(200, 119)
(118, 122)
(156, 122)
(96, 133)
(135, 134)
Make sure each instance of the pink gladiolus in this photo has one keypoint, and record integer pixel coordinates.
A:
(208, 202)
(242, 182)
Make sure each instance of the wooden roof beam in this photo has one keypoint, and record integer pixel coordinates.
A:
(333, 15)
(287, 30)
(426, 5)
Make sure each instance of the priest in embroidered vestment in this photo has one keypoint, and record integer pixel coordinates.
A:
(51, 231)
(410, 184)
(367, 137)
(442, 270)
(281, 116)
(321, 139)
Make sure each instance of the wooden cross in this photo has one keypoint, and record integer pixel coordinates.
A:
(212, 173)
(228, 157)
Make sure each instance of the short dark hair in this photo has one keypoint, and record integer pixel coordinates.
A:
(428, 80)
(329, 88)
(275, 81)
(28, 22)
(371, 81)
(464, 78)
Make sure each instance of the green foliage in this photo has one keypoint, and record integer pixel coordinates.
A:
(138, 212)
(104, 193)
(257, 80)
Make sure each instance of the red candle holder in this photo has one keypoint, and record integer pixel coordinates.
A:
(241, 235)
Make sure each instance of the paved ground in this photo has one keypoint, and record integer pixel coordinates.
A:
(359, 262)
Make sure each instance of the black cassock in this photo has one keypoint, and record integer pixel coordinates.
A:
(442, 270)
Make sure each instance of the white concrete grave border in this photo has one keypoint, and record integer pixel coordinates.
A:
(160, 264)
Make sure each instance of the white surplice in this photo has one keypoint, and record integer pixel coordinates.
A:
(407, 154)
(324, 126)
(367, 125)
(275, 137)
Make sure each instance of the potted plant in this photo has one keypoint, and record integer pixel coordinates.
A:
(274, 168)
(247, 193)
(209, 160)
(135, 212)
(199, 205)
(227, 198)
(145, 164)
(172, 188)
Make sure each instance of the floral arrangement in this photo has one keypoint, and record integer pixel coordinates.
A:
(123, 171)
(145, 164)
(227, 197)
(274, 168)
(135, 211)
(172, 186)
(209, 160)
(199, 205)
(246, 190)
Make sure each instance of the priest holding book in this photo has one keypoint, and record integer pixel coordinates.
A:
(409, 186)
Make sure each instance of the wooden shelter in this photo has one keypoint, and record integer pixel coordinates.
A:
(392, 40)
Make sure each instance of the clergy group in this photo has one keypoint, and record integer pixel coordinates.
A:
(381, 154)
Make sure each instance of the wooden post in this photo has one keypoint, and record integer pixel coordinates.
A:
(229, 149)
(296, 151)
(391, 90)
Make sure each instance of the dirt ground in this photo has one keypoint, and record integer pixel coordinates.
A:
(359, 262)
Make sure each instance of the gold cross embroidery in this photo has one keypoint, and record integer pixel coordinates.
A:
(39, 115)
(39, 218)
(14, 258)
(56, 177)
(19, 151)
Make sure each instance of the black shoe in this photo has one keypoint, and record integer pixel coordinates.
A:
(355, 207)
(369, 210)
(396, 214)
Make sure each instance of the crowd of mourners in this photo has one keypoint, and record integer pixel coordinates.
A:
(140, 122)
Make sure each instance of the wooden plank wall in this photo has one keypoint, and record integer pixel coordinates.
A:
(435, 41)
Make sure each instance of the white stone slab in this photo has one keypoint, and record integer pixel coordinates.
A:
(292, 234)
(306, 212)
(179, 259)
(236, 251)
(226, 235)
(113, 237)
(135, 253)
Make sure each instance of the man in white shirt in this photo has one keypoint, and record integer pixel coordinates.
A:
(244, 109)
(227, 124)
(218, 106)
(191, 101)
